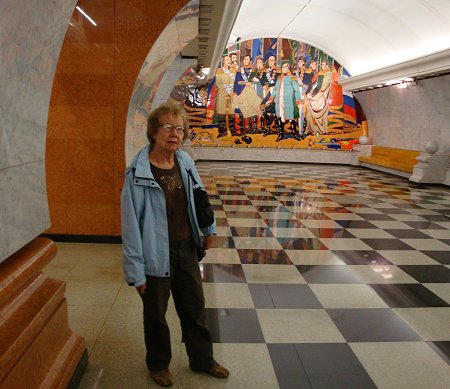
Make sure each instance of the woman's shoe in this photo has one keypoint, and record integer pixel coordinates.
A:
(218, 371)
(162, 377)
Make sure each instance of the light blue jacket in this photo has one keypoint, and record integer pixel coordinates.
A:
(145, 234)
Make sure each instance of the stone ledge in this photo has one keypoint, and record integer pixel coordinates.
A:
(37, 347)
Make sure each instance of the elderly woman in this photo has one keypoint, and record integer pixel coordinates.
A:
(160, 235)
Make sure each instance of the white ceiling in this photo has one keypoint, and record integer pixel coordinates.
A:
(362, 35)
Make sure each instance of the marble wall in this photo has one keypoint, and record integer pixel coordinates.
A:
(92, 93)
(30, 42)
(407, 118)
(161, 70)
(172, 77)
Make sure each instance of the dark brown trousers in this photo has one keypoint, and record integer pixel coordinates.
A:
(185, 283)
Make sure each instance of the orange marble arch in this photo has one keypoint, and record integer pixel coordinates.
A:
(94, 79)
(37, 347)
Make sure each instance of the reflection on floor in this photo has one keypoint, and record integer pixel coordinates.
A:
(321, 277)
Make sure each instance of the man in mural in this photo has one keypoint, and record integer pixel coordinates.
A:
(309, 79)
(310, 76)
(270, 75)
(286, 95)
(317, 104)
(256, 76)
(271, 62)
(268, 111)
(299, 75)
(225, 78)
(245, 97)
(234, 61)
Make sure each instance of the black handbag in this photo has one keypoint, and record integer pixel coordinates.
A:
(203, 209)
(200, 253)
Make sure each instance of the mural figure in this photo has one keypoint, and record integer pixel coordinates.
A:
(299, 74)
(246, 101)
(317, 103)
(286, 95)
(256, 76)
(234, 61)
(225, 78)
(270, 75)
(310, 76)
(268, 111)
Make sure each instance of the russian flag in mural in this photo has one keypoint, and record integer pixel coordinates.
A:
(349, 109)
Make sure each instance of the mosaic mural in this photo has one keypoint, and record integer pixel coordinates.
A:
(272, 92)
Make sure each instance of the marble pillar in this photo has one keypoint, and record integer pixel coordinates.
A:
(37, 347)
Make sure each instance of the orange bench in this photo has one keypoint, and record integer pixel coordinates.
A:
(392, 158)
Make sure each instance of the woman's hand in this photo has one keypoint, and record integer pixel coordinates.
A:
(207, 242)
(141, 289)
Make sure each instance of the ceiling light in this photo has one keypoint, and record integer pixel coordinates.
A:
(233, 38)
(86, 15)
(392, 82)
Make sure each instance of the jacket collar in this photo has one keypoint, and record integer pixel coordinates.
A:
(142, 165)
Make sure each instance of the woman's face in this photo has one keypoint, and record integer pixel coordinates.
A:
(169, 135)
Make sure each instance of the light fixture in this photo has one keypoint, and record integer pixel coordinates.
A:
(402, 83)
(233, 38)
(86, 15)
(392, 82)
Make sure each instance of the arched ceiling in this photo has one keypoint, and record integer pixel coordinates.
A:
(363, 35)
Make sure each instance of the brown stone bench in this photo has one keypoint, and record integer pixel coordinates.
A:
(391, 158)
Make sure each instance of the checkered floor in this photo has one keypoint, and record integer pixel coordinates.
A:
(320, 277)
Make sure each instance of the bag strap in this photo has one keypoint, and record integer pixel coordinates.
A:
(196, 184)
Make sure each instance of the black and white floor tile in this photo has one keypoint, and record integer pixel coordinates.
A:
(320, 277)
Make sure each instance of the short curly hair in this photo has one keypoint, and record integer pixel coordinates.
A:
(167, 108)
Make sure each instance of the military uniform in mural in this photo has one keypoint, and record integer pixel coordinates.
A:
(268, 111)
(286, 95)
(310, 76)
(299, 75)
(256, 77)
(271, 74)
(224, 104)
(246, 99)
(317, 105)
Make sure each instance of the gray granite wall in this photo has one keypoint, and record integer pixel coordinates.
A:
(31, 36)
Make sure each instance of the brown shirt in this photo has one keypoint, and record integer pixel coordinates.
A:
(176, 202)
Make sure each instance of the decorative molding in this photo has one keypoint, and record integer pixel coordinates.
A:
(429, 65)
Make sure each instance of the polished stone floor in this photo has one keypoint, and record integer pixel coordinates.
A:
(320, 277)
